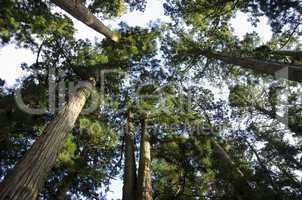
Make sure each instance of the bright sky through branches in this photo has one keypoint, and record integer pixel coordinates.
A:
(11, 58)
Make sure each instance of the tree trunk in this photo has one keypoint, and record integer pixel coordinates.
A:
(294, 71)
(238, 179)
(264, 168)
(296, 182)
(223, 155)
(144, 171)
(292, 54)
(129, 187)
(80, 12)
(27, 178)
(241, 185)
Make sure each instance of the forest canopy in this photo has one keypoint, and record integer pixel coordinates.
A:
(178, 109)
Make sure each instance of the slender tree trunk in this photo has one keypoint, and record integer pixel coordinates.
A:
(294, 71)
(181, 185)
(293, 54)
(80, 12)
(27, 178)
(223, 155)
(129, 187)
(263, 166)
(144, 171)
(241, 185)
(291, 177)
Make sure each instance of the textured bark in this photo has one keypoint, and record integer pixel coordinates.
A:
(80, 12)
(27, 178)
(144, 171)
(294, 71)
(129, 185)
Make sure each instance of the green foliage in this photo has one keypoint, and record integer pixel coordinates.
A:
(174, 86)
(25, 21)
(280, 13)
(67, 155)
(135, 44)
(113, 8)
(239, 96)
(179, 166)
(200, 12)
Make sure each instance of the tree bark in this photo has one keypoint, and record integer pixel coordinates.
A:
(144, 171)
(27, 178)
(80, 12)
(129, 185)
(294, 71)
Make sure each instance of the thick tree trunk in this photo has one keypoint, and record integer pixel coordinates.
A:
(29, 174)
(144, 171)
(80, 12)
(129, 187)
(294, 71)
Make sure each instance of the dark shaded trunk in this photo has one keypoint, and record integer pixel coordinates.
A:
(181, 185)
(264, 168)
(223, 155)
(144, 191)
(292, 54)
(294, 71)
(80, 12)
(240, 183)
(129, 185)
(291, 177)
(237, 178)
(27, 178)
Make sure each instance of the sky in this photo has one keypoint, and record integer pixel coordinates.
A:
(11, 58)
